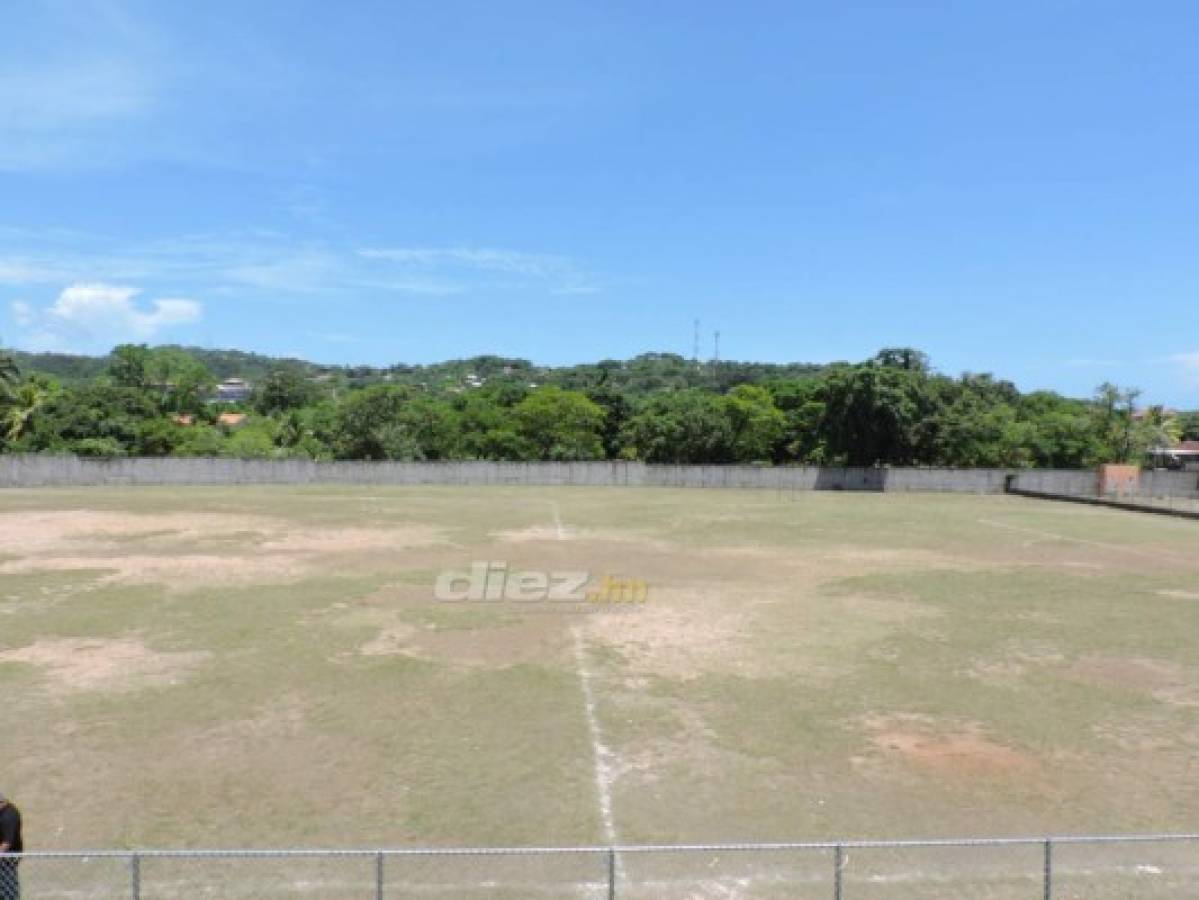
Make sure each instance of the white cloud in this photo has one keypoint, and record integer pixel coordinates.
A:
(105, 306)
(96, 315)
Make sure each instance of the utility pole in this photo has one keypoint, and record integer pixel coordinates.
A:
(695, 345)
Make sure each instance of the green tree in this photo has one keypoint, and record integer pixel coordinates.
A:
(690, 426)
(129, 365)
(182, 380)
(386, 422)
(560, 424)
(200, 440)
(23, 404)
(366, 421)
(1188, 425)
(756, 424)
(1119, 436)
(616, 408)
(9, 374)
(91, 418)
(904, 358)
(429, 427)
(802, 403)
(1160, 428)
(283, 389)
(256, 439)
(873, 414)
(159, 437)
(973, 432)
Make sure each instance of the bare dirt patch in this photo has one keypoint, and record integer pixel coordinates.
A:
(1018, 660)
(28, 533)
(391, 640)
(1180, 595)
(535, 534)
(352, 540)
(531, 641)
(94, 664)
(178, 548)
(1164, 681)
(679, 633)
(549, 534)
(964, 749)
(283, 719)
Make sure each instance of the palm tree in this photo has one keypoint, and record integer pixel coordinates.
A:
(20, 408)
(9, 373)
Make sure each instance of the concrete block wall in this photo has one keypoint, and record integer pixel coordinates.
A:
(1156, 483)
(37, 471)
(1072, 482)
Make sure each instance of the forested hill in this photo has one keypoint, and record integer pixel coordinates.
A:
(891, 409)
(644, 374)
(71, 368)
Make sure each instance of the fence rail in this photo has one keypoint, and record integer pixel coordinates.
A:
(1094, 867)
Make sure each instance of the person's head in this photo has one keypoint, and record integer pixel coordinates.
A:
(3, 801)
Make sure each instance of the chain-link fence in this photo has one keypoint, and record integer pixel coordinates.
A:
(1147, 867)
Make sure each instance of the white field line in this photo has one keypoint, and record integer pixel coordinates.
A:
(559, 530)
(605, 770)
(1054, 536)
(602, 757)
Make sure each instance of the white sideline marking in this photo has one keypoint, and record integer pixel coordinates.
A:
(1054, 536)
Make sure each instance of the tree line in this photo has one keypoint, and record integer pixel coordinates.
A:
(892, 409)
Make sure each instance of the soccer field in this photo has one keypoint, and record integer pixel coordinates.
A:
(268, 666)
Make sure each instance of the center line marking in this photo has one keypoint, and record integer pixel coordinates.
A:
(605, 768)
(558, 527)
(603, 759)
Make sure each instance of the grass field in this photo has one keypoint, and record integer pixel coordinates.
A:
(266, 666)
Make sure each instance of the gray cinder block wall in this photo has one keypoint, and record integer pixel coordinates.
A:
(39, 471)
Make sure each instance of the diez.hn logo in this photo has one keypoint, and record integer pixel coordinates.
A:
(492, 582)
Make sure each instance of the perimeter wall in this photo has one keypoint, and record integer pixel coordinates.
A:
(39, 471)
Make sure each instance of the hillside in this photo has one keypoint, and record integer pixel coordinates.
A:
(643, 374)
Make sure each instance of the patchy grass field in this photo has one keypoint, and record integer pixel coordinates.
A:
(266, 666)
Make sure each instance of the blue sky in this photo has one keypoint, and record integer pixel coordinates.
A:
(1011, 186)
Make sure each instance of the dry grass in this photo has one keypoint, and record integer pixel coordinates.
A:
(266, 666)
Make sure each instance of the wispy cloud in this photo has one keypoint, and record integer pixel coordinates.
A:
(561, 274)
(1089, 363)
(94, 316)
(488, 259)
(254, 266)
(72, 106)
(270, 266)
(16, 271)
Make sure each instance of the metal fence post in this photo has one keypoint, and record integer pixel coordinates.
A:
(135, 876)
(611, 873)
(1048, 869)
(838, 866)
(379, 875)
